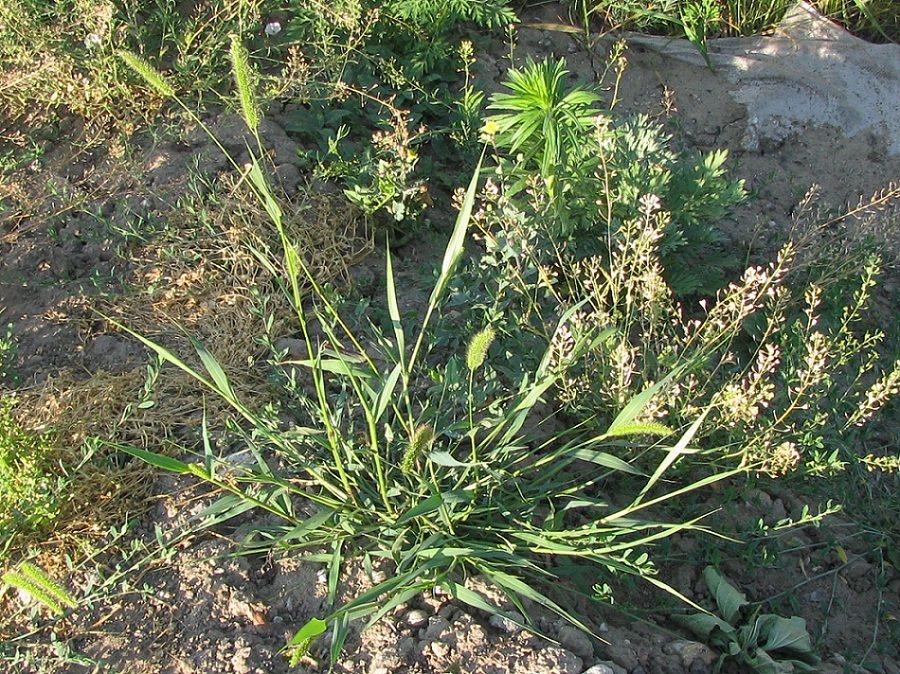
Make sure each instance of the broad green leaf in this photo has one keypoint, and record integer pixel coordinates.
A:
(784, 633)
(729, 600)
(703, 624)
(313, 628)
(763, 663)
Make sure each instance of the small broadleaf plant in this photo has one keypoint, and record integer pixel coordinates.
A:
(764, 642)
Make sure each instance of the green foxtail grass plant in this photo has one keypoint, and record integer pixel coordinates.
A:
(379, 467)
(40, 587)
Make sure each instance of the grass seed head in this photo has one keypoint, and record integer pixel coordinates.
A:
(478, 348)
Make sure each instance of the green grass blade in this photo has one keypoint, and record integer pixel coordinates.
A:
(158, 460)
(222, 385)
(636, 405)
(394, 309)
(386, 393)
(673, 455)
(429, 505)
(313, 523)
(515, 586)
(345, 365)
(452, 254)
(863, 7)
(334, 572)
(341, 631)
(604, 459)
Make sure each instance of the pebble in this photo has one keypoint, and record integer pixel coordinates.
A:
(575, 640)
(507, 625)
(605, 668)
(816, 596)
(416, 618)
(440, 649)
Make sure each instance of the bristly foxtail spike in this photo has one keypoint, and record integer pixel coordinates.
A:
(244, 80)
(478, 348)
(149, 74)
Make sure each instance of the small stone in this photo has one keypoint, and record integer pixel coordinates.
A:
(697, 657)
(600, 668)
(507, 625)
(440, 649)
(576, 641)
(416, 618)
(623, 654)
(816, 596)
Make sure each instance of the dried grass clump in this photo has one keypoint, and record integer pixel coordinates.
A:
(206, 283)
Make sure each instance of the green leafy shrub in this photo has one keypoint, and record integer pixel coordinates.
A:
(787, 359)
(698, 20)
(391, 87)
(28, 493)
(8, 352)
(591, 172)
